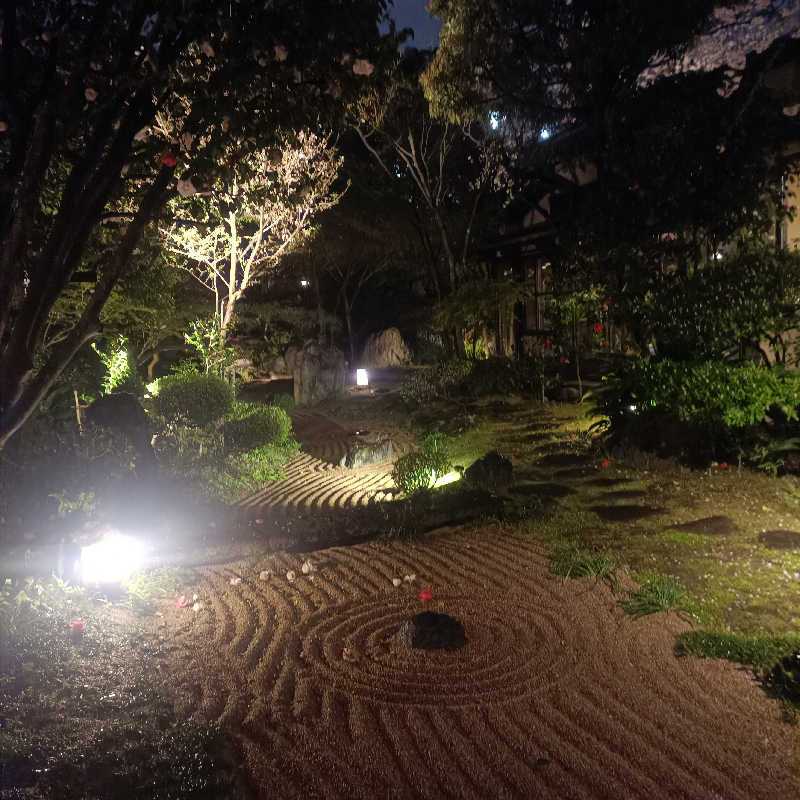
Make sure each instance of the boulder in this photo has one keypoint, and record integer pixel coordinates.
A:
(279, 367)
(386, 349)
(492, 472)
(319, 372)
(368, 451)
(289, 358)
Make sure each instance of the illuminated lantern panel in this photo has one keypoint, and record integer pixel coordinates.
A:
(362, 379)
(112, 559)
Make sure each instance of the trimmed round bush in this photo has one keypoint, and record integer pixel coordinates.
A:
(193, 399)
(252, 425)
(420, 470)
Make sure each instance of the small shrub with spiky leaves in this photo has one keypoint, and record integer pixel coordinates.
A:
(783, 679)
(656, 593)
(570, 560)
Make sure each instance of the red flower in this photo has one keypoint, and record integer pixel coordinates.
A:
(425, 596)
(77, 626)
(598, 327)
(546, 344)
(605, 463)
(182, 602)
(562, 360)
(604, 343)
(723, 465)
(168, 159)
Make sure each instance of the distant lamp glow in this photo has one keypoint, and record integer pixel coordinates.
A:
(718, 256)
(449, 477)
(304, 283)
(544, 134)
(362, 379)
(112, 559)
(495, 118)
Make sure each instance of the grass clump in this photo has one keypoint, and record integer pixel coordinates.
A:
(570, 560)
(146, 586)
(656, 593)
(755, 651)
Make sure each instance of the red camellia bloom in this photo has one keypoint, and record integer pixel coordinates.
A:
(604, 343)
(605, 464)
(77, 626)
(168, 159)
(723, 465)
(546, 344)
(426, 595)
(182, 602)
(562, 360)
(598, 327)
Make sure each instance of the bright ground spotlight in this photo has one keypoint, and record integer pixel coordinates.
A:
(112, 559)
(362, 379)
(449, 477)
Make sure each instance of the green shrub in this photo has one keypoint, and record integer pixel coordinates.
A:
(499, 375)
(436, 383)
(712, 392)
(193, 399)
(284, 401)
(420, 470)
(251, 425)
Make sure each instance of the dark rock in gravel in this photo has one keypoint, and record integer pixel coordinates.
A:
(718, 525)
(623, 513)
(434, 631)
(492, 472)
(780, 540)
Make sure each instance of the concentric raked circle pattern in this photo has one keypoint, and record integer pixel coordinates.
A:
(557, 694)
(359, 649)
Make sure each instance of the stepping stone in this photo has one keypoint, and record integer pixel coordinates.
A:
(563, 460)
(607, 481)
(541, 490)
(625, 494)
(623, 513)
(780, 540)
(573, 472)
(718, 525)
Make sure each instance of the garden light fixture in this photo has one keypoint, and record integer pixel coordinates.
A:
(111, 559)
(362, 379)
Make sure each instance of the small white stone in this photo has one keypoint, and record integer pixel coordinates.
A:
(290, 576)
(410, 578)
(396, 582)
(236, 580)
(307, 567)
(197, 607)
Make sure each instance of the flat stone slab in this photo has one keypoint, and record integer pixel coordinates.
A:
(780, 539)
(718, 525)
(607, 481)
(625, 494)
(563, 460)
(624, 513)
(541, 490)
(574, 472)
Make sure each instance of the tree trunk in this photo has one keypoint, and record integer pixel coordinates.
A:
(22, 391)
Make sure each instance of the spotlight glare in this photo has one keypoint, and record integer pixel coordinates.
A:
(449, 477)
(111, 559)
(362, 379)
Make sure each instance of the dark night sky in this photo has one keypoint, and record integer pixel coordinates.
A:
(412, 14)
